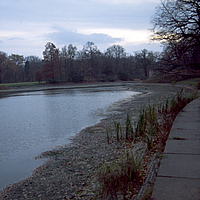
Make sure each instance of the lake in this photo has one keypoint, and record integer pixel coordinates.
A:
(34, 122)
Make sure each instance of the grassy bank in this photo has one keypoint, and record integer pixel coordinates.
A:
(175, 79)
(191, 82)
(20, 84)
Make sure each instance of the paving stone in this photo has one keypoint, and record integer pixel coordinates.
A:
(183, 147)
(176, 189)
(179, 176)
(193, 134)
(187, 125)
(178, 165)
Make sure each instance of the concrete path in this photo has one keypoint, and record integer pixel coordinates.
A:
(179, 174)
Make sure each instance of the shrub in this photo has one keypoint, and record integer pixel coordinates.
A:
(117, 175)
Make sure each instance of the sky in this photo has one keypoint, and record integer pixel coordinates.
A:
(27, 25)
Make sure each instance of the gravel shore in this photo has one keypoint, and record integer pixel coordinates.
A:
(71, 170)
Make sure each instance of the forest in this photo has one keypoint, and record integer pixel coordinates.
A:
(176, 25)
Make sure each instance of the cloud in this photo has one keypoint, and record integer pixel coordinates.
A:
(133, 47)
(129, 39)
(94, 13)
(15, 39)
(65, 37)
(28, 25)
(128, 1)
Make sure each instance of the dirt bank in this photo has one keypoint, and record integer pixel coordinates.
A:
(71, 171)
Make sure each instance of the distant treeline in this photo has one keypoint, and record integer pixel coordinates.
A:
(90, 64)
(69, 64)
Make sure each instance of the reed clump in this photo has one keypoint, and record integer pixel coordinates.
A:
(118, 175)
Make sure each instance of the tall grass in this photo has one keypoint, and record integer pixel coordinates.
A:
(117, 175)
(147, 125)
(180, 101)
(130, 135)
(117, 128)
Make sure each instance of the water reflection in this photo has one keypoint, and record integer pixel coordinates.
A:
(33, 122)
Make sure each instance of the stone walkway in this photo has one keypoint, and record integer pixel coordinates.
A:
(179, 174)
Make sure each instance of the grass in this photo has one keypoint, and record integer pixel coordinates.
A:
(130, 135)
(117, 128)
(118, 174)
(195, 82)
(20, 84)
(172, 78)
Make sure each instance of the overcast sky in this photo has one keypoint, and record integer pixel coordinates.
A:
(27, 25)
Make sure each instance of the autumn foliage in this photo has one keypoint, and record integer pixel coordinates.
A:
(50, 67)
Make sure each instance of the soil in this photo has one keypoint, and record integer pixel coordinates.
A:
(71, 171)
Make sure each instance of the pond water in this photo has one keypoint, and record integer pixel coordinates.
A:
(33, 122)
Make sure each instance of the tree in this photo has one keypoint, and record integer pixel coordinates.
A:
(3, 58)
(145, 59)
(71, 51)
(38, 75)
(27, 70)
(108, 68)
(64, 57)
(92, 53)
(51, 62)
(10, 70)
(19, 61)
(117, 52)
(177, 20)
(7, 68)
(35, 64)
(67, 56)
(177, 23)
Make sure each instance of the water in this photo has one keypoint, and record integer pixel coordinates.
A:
(33, 122)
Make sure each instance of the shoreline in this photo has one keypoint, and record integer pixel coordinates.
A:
(43, 87)
(74, 166)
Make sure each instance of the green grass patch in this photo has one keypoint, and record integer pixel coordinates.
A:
(21, 84)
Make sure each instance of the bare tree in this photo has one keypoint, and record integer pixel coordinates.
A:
(177, 20)
(117, 52)
(145, 59)
(91, 53)
(35, 65)
(71, 51)
(19, 61)
(64, 57)
(177, 24)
